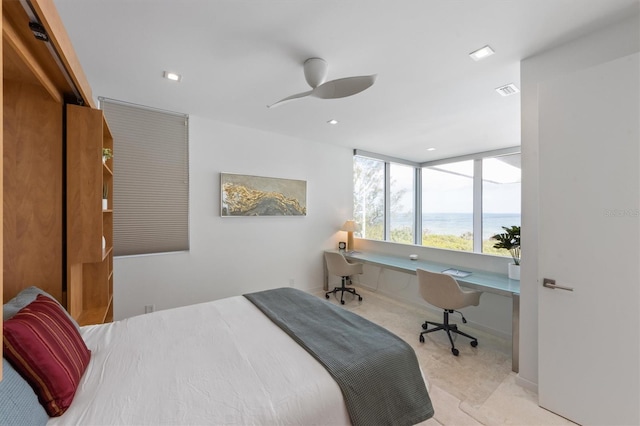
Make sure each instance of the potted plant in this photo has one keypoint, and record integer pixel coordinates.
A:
(105, 196)
(510, 240)
(107, 153)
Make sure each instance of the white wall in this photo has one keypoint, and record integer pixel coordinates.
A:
(615, 41)
(232, 256)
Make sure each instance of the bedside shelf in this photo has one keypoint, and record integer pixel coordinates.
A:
(97, 315)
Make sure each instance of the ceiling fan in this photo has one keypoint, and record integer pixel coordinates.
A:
(315, 72)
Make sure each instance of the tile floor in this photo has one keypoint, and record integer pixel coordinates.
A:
(475, 388)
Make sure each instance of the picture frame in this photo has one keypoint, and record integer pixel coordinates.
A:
(248, 195)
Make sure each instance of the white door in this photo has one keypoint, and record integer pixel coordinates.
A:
(589, 338)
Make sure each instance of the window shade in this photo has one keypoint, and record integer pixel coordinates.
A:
(151, 179)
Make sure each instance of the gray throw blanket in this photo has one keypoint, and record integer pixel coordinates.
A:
(377, 371)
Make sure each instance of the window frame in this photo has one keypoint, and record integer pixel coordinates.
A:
(418, 167)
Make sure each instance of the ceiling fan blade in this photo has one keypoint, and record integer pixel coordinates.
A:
(343, 87)
(290, 98)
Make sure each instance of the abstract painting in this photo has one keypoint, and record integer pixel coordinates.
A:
(245, 195)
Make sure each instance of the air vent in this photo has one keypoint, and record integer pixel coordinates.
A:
(507, 90)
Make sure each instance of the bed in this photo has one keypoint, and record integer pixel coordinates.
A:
(232, 361)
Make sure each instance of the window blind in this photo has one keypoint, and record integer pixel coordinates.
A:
(151, 178)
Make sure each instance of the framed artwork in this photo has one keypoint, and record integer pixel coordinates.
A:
(246, 195)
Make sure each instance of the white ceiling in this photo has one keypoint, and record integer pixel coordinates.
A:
(237, 56)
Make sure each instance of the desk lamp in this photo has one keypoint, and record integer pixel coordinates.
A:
(350, 227)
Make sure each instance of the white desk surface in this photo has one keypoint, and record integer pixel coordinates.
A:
(481, 280)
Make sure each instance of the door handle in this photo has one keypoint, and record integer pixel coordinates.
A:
(549, 283)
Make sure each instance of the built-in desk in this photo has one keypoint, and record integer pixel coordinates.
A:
(489, 282)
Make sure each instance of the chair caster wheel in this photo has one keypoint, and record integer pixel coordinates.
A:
(421, 338)
(474, 343)
(326, 295)
(455, 351)
(342, 302)
(425, 326)
(360, 298)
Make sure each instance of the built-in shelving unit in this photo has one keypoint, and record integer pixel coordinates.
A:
(89, 226)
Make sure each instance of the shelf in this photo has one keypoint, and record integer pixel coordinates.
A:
(92, 316)
(106, 170)
(98, 315)
(106, 252)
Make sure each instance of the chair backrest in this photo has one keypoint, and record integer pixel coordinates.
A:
(338, 265)
(443, 291)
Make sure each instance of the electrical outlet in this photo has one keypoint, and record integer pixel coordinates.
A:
(149, 308)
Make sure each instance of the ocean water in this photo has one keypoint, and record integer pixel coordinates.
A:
(459, 223)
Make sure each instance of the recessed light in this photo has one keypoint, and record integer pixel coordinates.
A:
(431, 149)
(333, 121)
(172, 76)
(482, 53)
(507, 89)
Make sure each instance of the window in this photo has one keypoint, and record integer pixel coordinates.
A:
(500, 198)
(151, 179)
(447, 206)
(368, 197)
(456, 204)
(401, 203)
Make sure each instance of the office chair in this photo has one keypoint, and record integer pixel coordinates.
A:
(338, 265)
(443, 291)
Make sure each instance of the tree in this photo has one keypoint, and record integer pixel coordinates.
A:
(368, 198)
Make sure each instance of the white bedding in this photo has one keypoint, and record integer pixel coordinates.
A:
(219, 363)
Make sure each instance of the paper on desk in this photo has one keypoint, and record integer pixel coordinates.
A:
(456, 273)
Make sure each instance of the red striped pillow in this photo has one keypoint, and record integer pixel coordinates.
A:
(46, 349)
